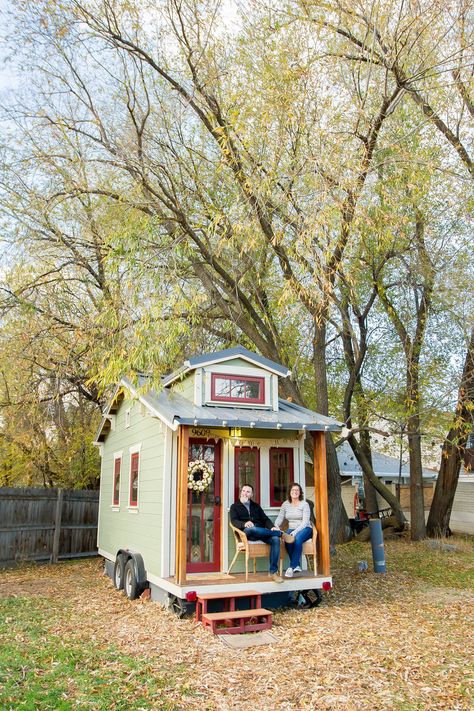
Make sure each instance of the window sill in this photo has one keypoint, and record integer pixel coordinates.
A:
(132, 509)
(237, 403)
(115, 508)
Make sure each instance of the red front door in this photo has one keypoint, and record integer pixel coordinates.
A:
(203, 549)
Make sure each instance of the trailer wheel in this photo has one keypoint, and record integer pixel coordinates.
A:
(177, 605)
(119, 569)
(130, 581)
(312, 598)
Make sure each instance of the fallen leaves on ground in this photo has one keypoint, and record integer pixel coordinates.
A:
(393, 641)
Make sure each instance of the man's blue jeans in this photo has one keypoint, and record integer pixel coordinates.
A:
(257, 533)
(295, 549)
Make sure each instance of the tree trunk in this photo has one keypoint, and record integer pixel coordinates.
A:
(370, 493)
(452, 452)
(417, 504)
(442, 504)
(339, 529)
(383, 490)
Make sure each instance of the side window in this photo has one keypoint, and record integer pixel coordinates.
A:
(134, 469)
(281, 473)
(116, 486)
(247, 470)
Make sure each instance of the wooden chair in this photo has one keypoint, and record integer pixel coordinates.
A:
(251, 550)
(309, 548)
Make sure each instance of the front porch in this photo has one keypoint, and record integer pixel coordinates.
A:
(236, 582)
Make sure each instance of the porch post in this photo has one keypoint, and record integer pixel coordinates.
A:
(321, 502)
(182, 504)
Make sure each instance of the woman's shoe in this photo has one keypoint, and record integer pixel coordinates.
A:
(297, 569)
(289, 573)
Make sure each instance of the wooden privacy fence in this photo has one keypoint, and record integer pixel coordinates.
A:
(47, 524)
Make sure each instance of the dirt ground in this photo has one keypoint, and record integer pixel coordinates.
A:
(377, 641)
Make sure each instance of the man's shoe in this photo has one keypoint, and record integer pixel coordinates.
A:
(276, 578)
(288, 538)
(289, 573)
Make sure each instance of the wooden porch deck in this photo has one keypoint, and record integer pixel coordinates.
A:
(215, 582)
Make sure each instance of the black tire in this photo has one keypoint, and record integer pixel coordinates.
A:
(312, 598)
(130, 583)
(119, 570)
(178, 606)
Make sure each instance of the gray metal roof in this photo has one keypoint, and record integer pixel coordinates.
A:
(176, 410)
(228, 354)
(384, 466)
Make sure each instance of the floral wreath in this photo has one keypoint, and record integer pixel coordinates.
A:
(200, 475)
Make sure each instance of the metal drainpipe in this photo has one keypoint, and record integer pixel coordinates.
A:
(378, 550)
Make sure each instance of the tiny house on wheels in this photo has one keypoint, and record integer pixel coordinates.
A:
(163, 520)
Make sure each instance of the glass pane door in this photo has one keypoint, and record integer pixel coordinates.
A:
(203, 539)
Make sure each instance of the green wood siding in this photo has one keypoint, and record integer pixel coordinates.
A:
(140, 529)
(185, 387)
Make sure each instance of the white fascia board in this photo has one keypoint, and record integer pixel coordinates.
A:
(149, 407)
(249, 360)
(187, 367)
(105, 415)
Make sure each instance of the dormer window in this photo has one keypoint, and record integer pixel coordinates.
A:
(237, 388)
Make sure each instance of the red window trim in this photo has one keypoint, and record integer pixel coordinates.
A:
(246, 378)
(116, 501)
(237, 485)
(290, 450)
(135, 457)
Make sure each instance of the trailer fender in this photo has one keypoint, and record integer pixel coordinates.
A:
(138, 564)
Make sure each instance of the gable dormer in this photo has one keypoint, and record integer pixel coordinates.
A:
(233, 378)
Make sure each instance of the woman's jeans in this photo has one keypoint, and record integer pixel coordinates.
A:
(295, 549)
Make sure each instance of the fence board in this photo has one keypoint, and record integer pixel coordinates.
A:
(28, 524)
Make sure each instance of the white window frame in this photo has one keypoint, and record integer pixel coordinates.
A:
(244, 371)
(128, 417)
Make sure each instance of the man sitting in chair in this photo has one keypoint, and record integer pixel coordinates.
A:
(249, 517)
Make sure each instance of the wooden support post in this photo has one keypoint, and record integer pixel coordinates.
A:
(57, 527)
(182, 504)
(321, 502)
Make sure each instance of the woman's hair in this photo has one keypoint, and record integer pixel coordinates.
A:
(299, 487)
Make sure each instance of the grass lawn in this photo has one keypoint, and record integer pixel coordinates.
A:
(403, 640)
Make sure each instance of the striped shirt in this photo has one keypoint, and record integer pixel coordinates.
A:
(297, 516)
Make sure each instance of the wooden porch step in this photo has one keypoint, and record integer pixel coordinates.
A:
(238, 621)
(228, 600)
(223, 595)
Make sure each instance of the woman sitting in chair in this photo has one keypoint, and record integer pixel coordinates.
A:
(297, 512)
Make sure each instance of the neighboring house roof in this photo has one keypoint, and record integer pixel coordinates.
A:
(383, 465)
(222, 356)
(175, 410)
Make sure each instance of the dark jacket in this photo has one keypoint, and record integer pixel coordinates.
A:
(239, 515)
